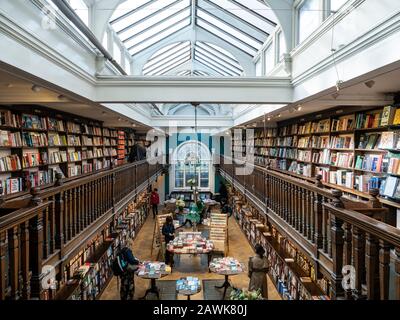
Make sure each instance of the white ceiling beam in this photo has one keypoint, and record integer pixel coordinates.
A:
(111, 89)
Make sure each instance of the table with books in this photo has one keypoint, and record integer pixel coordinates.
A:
(191, 243)
(188, 286)
(153, 270)
(226, 266)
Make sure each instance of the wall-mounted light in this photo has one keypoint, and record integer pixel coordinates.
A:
(62, 97)
(299, 107)
(278, 115)
(36, 88)
(370, 83)
(269, 118)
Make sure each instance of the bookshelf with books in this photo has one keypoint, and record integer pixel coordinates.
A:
(354, 148)
(36, 143)
(293, 274)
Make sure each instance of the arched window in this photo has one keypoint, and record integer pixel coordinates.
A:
(192, 161)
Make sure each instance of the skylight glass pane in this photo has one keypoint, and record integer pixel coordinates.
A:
(160, 36)
(259, 7)
(161, 58)
(281, 46)
(219, 49)
(214, 64)
(245, 15)
(117, 53)
(218, 53)
(157, 28)
(127, 7)
(232, 31)
(167, 60)
(138, 25)
(209, 66)
(182, 57)
(309, 18)
(226, 37)
(219, 61)
(165, 49)
(176, 65)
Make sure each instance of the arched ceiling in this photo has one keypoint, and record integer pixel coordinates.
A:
(238, 25)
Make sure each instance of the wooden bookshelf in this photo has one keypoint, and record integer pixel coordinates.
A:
(36, 143)
(354, 149)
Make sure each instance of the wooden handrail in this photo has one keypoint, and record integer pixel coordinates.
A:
(17, 217)
(381, 230)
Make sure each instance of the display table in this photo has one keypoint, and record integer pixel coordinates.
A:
(152, 271)
(191, 243)
(226, 267)
(188, 286)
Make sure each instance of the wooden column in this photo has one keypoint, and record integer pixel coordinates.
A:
(3, 271)
(371, 262)
(397, 273)
(347, 248)
(384, 269)
(13, 261)
(35, 254)
(337, 257)
(26, 286)
(359, 262)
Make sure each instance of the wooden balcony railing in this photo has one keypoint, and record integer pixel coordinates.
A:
(58, 220)
(333, 230)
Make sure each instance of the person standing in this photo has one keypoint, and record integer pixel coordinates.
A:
(155, 201)
(258, 269)
(129, 265)
(168, 231)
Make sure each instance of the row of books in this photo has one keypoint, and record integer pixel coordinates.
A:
(342, 142)
(10, 163)
(341, 159)
(379, 118)
(10, 139)
(301, 168)
(370, 162)
(345, 123)
(11, 185)
(92, 141)
(34, 159)
(283, 153)
(34, 139)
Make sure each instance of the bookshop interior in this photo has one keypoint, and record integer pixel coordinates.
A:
(199, 150)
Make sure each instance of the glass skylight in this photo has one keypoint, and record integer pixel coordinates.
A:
(242, 25)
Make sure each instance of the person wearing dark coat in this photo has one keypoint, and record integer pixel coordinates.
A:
(137, 153)
(168, 231)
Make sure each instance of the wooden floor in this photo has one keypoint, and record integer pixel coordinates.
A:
(189, 266)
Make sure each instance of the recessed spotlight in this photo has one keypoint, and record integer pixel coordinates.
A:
(36, 88)
(299, 107)
(370, 83)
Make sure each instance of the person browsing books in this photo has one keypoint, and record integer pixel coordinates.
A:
(258, 269)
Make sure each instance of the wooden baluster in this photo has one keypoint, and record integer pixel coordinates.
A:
(286, 201)
(103, 195)
(25, 273)
(35, 254)
(318, 218)
(78, 208)
(372, 270)
(14, 262)
(70, 214)
(337, 257)
(45, 233)
(114, 189)
(90, 203)
(384, 269)
(308, 202)
(297, 209)
(347, 249)
(52, 222)
(59, 222)
(3, 270)
(302, 224)
(359, 262)
(75, 230)
(397, 273)
(86, 205)
(267, 191)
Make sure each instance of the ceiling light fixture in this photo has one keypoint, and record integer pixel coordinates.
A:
(36, 88)
(370, 83)
(299, 107)
(269, 118)
(278, 115)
